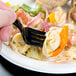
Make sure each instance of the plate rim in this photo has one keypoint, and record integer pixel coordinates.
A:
(10, 61)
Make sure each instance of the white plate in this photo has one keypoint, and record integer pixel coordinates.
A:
(31, 64)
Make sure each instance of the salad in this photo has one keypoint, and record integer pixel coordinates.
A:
(60, 27)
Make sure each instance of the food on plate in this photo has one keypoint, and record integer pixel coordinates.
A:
(56, 40)
(58, 16)
(29, 9)
(72, 13)
(21, 15)
(34, 53)
(60, 43)
(72, 38)
(50, 4)
(18, 45)
(15, 7)
(52, 41)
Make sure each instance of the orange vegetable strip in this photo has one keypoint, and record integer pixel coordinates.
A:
(63, 42)
(22, 15)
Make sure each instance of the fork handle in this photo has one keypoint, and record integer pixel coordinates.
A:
(18, 25)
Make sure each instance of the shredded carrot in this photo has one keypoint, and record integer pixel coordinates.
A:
(63, 42)
(21, 14)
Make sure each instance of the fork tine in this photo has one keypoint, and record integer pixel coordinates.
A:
(29, 41)
(32, 43)
(31, 37)
(35, 31)
(37, 40)
(38, 36)
(36, 44)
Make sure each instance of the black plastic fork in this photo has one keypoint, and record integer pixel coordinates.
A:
(31, 36)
